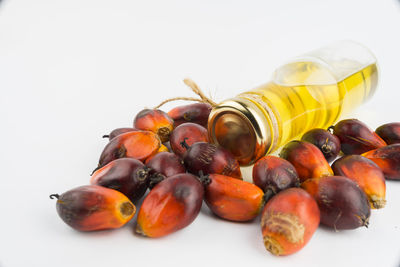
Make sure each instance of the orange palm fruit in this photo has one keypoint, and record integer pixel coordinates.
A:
(173, 204)
(288, 221)
(163, 148)
(93, 207)
(388, 159)
(366, 174)
(307, 159)
(233, 199)
(138, 145)
(156, 121)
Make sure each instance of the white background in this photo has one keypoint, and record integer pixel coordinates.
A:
(71, 71)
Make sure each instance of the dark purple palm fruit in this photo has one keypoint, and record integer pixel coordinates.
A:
(163, 165)
(209, 159)
(328, 143)
(355, 137)
(126, 175)
(273, 174)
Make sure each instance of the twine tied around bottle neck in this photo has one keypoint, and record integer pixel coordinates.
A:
(196, 89)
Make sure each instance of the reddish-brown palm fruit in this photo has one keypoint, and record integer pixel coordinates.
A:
(156, 121)
(172, 205)
(389, 132)
(93, 207)
(118, 131)
(288, 221)
(196, 113)
(190, 133)
(163, 165)
(328, 143)
(366, 174)
(342, 203)
(126, 175)
(355, 137)
(388, 159)
(273, 174)
(209, 158)
(137, 145)
(307, 159)
(233, 199)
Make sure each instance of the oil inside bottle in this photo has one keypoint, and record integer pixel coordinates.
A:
(305, 95)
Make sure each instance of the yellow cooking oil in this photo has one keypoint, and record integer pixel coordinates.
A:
(306, 95)
(310, 91)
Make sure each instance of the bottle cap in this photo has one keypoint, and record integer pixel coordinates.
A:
(241, 126)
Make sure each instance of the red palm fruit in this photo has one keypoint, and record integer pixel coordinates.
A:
(190, 133)
(128, 176)
(273, 174)
(196, 113)
(233, 199)
(156, 121)
(307, 159)
(355, 137)
(172, 205)
(93, 207)
(288, 221)
(366, 174)
(388, 159)
(328, 143)
(118, 131)
(209, 158)
(342, 203)
(137, 145)
(389, 132)
(163, 165)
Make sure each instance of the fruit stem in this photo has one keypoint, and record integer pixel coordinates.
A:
(184, 144)
(204, 179)
(155, 179)
(268, 194)
(106, 136)
(52, 196)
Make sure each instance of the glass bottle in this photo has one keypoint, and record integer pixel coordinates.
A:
(311, 91)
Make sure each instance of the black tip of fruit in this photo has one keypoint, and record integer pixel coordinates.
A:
(52, 196)
(106, 136)
(184, 144)
(268, 194)
(98, 167)
(155, 179)
(204, 179)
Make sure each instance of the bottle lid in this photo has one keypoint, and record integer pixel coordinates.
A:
(242, 127)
